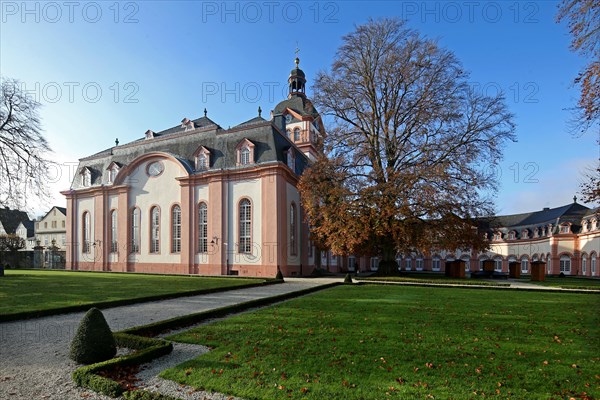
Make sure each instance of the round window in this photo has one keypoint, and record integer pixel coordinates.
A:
(155, 168)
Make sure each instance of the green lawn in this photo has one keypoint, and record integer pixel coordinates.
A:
(378, 342)
(570, 283)
(29, 290)
(434, 278)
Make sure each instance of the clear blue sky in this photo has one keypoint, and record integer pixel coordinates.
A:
(106, 70)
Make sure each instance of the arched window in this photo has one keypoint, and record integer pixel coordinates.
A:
(296, 134)
(524, 264)
(435, 263)
(549, 263)
(245, 156)
(176, 229)
(202, 228)
(419, 263)
(135, 230)
(498, 264)
(593, 264)
(86, 232)
(465, 258)
(565, 264)
(154, 230)
(293, 230)
(245, 227)
(351, 263)
(289, 134)
(114, 245)
(583, 264)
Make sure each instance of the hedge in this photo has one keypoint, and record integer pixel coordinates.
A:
(147, 350)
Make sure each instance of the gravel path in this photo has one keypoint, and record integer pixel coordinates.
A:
(34, 362)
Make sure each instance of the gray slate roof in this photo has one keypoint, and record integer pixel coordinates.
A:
(572, 213)
(299, 104)
(270, 146)
(10, 219)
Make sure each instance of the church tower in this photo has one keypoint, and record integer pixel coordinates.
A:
(303, 123)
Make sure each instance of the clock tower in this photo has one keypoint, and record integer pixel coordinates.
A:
(303, 123)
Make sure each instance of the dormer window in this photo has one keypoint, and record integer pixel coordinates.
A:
(512, 235)
(201, 162)
(245, 156)
(291, 159)
(566, 228)
(524, 234)
(497, 236)
(588, 225)
(86, 177)
(202, 159)
(113, 170)
(187, 124)
(149, 134)
(245, 152)
(594, 224)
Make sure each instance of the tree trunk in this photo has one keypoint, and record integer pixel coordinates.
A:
(388, 265)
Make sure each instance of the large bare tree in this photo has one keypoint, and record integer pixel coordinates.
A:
(23, 148)
(408, 162)
(583, 19)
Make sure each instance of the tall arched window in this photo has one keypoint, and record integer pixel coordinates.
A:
(114, 246)
(435, 263)
(583, 264)
(296, 134)
(135, 230)
(565, 264)
(86, 231)
(154, 230)
(524, 264)
(245, 227)
(176, 229)
(498, 264)
(202, 228)
(593, 264)
(293, 230)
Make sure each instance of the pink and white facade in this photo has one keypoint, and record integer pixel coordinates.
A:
(199, 199)
(566, 238)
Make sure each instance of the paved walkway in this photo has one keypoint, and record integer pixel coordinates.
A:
(34, 362)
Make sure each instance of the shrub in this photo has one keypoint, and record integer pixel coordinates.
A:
(279, 275)
(93, 341)
(348, 279)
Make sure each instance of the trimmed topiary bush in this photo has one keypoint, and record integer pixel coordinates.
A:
(93, 341)
(348, 279)
(279, 275)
